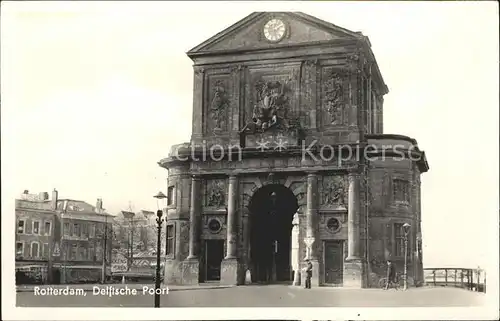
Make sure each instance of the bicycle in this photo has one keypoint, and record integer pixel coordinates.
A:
(398, 282)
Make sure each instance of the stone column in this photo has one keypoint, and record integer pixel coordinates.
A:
(311, 221)
(354, 265)
(191, 266)
(194, 217)
(230, 267)
(231, 217)
(353, 209)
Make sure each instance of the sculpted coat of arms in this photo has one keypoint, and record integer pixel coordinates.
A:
(271, 109)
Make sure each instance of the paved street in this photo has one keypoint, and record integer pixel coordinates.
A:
(266, 296)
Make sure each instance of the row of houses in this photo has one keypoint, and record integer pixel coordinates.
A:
(62, 241)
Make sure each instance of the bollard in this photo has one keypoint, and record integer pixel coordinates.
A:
(123, 279)
(248, 277)
(296, 277)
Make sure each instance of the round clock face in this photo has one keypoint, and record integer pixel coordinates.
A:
(274, 30)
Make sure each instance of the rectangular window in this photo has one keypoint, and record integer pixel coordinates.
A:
(76, 230)
(98, 253)
(170, 195)
(85, 230)
(35, 250)
(170, 240)
(92, 230)
(74, 252)
(45, 251)
(401, 190)
(91, 252)
(20, 226)
(19, 249)
(36, 227)
(66, 229)
(48, 228)
(83, 253)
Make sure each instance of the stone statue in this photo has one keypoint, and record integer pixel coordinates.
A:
(219, 104)
(295, 260)
(334, 94)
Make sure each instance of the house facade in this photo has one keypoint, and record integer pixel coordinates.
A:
(35, 221)
(61, 240)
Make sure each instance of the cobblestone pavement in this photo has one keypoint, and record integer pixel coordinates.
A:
(266, 296)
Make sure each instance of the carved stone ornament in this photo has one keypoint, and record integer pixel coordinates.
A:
(333, 191)
(214, 225)
(334, 96)
(333, 225)
(216, 197)
(271, 110)
(199, 71)
(219, 104)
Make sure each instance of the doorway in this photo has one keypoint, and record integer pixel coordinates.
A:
(334, 262)
(214, 254)
(271, 214)
(56, 276)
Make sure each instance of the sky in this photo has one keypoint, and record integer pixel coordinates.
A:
(94, 94)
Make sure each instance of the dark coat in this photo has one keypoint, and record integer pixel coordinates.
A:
(391, 272)
(309, 269)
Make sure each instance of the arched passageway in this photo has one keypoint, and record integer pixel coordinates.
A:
(271, 213)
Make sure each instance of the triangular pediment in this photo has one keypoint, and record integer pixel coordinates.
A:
(250, 33)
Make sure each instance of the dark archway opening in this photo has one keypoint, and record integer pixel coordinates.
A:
(271, 214)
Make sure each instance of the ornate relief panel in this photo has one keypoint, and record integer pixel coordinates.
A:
(334, 96)
(334, 192)
(218, 101)
(215, 196)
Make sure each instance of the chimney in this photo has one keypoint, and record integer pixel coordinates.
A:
(24, 195)
(54, 199)
(43, 196)
(99, 205)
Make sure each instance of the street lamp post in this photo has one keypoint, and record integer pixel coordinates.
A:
(130, 249)
(406, 230)
(159, 221)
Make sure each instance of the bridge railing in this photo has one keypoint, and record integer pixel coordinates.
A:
(470, 279)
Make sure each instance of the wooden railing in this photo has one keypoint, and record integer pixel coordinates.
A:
(470, 279)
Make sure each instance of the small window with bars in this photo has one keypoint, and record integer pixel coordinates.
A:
(401, 190)
(170, 240)
(171, 195)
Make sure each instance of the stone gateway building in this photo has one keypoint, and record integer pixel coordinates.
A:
(288, 161)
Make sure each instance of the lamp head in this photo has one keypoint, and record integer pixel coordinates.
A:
(406, 227)
(160, 196)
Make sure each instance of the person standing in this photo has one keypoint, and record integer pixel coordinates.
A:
(308, 274)
(391, 275)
